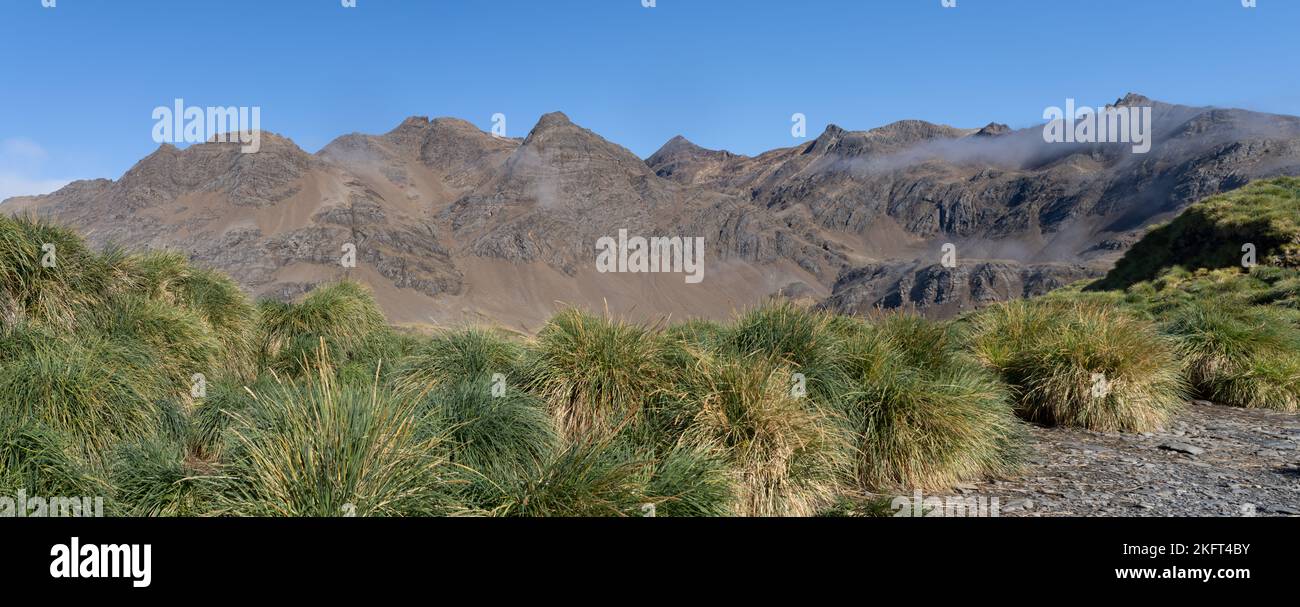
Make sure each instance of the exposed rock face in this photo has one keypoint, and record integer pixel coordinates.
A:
(936, 289)
(993, 129)
(562, 180)
(452, 223)
(1000, 185)
(679, 154)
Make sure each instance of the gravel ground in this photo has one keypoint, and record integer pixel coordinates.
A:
(1211, 460)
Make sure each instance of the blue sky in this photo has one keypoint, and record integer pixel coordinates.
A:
(78, 82)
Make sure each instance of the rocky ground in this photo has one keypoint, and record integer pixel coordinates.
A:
(1210, 461)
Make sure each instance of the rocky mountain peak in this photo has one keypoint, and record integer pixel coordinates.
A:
(827, 140)
(566, 147)
(413, 122)
(408, 134)
(993, 129)
(889, 138)
(552, 120)
(678, 145)
(1133, 100)
(905, 132)
(682, 160)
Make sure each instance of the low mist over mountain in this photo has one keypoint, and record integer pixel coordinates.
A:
(452, 224)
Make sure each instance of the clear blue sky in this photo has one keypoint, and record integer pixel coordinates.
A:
(78, 82)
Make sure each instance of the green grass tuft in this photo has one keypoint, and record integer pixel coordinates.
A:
(1243, 356)
(595, 374)
(322, 448)
(343, 314)
(1084, 365)
(923, 414)
(95, 391)
(459, 356)
(785, 454)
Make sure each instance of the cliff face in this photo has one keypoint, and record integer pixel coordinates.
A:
(452, 224)
(940, 290)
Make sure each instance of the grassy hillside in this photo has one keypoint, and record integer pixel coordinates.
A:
(1237, 325)
(1211, 233)
(160, 387)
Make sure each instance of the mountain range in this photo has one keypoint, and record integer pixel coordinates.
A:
(454, 225)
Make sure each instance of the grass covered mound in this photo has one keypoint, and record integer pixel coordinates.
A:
(1236, 323)
(321, 447)
(1238, 331)
(1211, 233)
(785, 454)
(1085, 364)
(923, 415)
(594, 374)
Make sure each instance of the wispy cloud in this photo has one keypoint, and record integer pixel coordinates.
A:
(16, 185)
(20, 149)
(21, 160)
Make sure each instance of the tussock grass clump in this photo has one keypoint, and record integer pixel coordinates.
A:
(595, 374)
(343, 314)
(495, 436)
(801, 337)
(923, 415)
(1261, 383)
(323, 448)
(215, 413)
(586, 478)
(157, 477)
(698, 333)
(691, 480)
(515, 463)
(1248, 356)
(919, 342)
(1084, 365)
(94, 391)
(215, 298)
(42, 462)
(457, 356)
(785, 455)
(53, 293)
(383, 351)
(180, 342)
